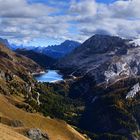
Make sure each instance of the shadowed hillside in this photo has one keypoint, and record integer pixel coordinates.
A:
(41, 59)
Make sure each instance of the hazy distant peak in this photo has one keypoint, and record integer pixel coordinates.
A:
(4, 42)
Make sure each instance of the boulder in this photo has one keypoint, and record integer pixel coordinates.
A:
(37, 134)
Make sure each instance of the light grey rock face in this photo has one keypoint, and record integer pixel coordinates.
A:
(135, 89)
(2, 74)
(37, 98)
(127, 65)
(105, 58)
(37, 134)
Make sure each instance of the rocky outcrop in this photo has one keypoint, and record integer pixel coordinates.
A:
(2, 74)
(37, 134)
(7, 76)
(37, 98)
(134, 90)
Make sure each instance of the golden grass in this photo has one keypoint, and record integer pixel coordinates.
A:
(56, 129)
(7, 133)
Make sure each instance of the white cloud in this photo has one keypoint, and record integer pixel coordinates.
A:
(121, 18)
(21, 21)
(21, 8)
(84, 7)
(126, 9)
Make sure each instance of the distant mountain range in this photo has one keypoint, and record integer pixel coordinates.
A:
(44, 56)
(58, 51)
(15, 47)
(54, 51)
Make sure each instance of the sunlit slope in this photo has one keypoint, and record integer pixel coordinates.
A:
(55, 129)
(7, 133)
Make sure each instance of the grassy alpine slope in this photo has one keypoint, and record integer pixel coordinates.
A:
(18, 99)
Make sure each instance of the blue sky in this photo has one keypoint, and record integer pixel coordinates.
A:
(46, 22)
(106, 1)
(47, 1)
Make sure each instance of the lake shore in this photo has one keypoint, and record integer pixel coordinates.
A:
(50, 76)
(39, 73)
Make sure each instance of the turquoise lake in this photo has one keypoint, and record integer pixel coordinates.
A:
(50, 76)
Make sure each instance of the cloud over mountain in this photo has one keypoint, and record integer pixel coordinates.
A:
(24, 21)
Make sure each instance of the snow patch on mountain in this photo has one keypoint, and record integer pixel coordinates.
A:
(134, 90)
(115, 70)
(136, 42)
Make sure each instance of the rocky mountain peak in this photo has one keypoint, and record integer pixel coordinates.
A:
(68, 43)
(106, 43)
